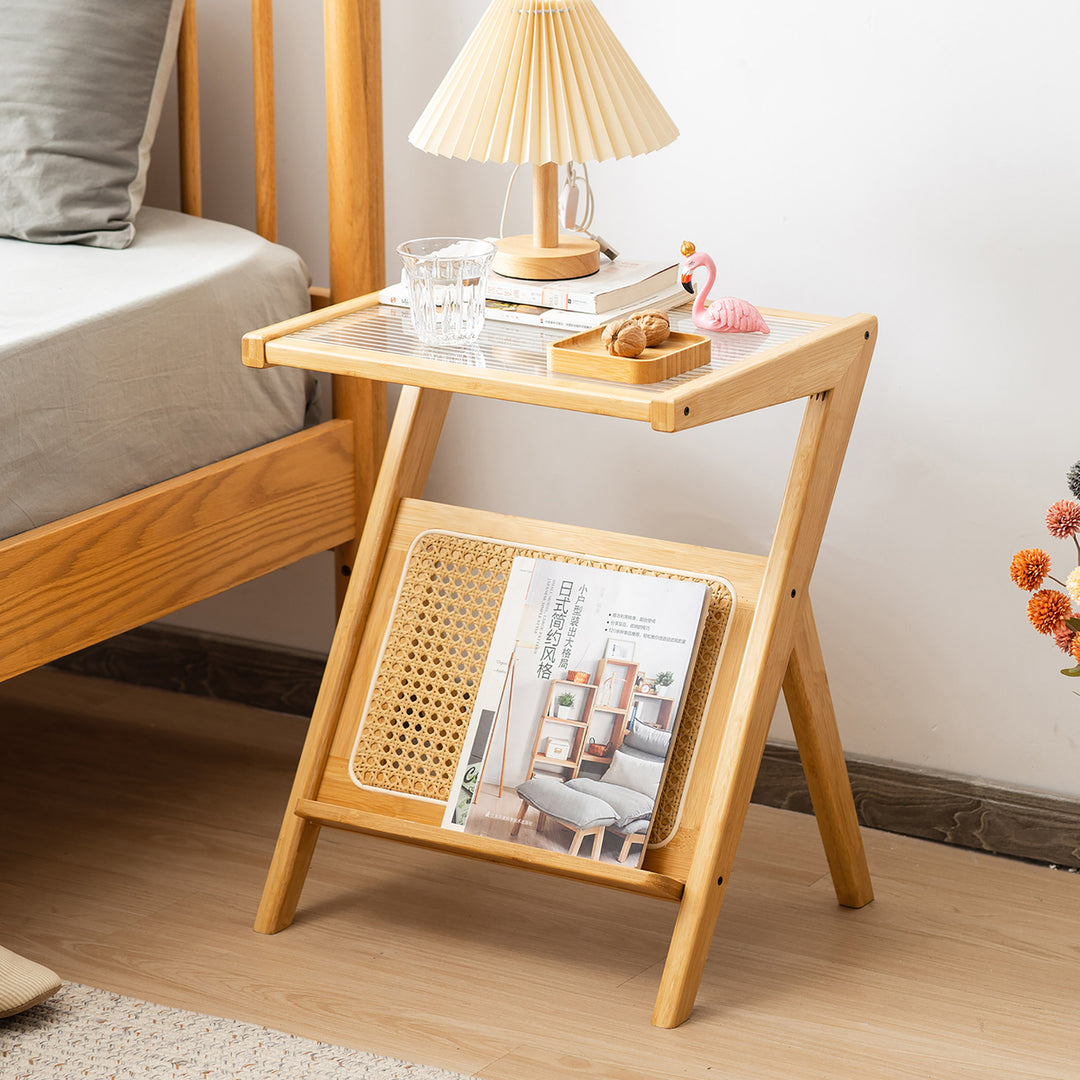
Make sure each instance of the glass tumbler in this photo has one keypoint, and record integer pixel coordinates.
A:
(447, 280)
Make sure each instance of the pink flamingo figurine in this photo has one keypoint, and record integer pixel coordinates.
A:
(728, 315)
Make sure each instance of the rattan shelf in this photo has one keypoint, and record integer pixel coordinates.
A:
(359, 773)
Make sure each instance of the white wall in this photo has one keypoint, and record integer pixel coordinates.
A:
(918, 161)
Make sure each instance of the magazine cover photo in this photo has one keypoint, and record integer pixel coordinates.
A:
(579, 699)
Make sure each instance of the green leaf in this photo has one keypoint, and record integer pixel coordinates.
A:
(1074, 672)
(1073, 624)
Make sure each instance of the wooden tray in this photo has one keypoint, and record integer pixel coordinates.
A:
(584, 354)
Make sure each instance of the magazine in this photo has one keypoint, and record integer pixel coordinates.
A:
(614, 285)
(551, 318)
(578, 702)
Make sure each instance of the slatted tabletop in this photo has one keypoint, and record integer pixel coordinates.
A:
(519, 349)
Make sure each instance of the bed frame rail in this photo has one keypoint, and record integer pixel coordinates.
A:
(92, 575)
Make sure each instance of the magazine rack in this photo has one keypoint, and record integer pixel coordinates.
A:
(770, 639)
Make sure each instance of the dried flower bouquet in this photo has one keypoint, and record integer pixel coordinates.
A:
(1050, 611)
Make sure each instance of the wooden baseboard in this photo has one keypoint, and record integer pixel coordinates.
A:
(951, 809)
(186, 662)
(933, 806)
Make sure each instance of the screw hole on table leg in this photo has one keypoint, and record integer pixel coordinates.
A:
(866, 336)
(686, 411)
(346, 571)
(792, 594)
(720, 880)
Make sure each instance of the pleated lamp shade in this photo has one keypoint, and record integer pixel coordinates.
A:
(545, 82)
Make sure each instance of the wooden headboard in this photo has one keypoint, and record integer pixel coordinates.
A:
(353, 50)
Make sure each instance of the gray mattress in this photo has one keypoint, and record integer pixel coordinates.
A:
(120, 369)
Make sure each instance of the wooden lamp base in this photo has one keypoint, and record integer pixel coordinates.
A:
(520, 257)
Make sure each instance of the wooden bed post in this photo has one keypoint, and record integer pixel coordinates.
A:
(262, 69)
(357, 256)
(187, 86)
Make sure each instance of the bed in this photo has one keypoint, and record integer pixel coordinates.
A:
(142, 466)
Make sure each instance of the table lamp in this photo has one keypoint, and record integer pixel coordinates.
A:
(544, 82)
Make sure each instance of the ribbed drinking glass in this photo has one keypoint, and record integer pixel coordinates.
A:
(447, 281)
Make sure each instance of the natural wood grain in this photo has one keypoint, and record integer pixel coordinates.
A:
(806, 690)
(255, 341)
(136, 826)
(519, 257)
(262, 48)
(546, 205)
(584, 354)
(319, 296)
(353, 52)
(481, 847)
(136, 558)
(354, 148)
(795, 369)
(417, 425)
(815, 469)
(187, 86)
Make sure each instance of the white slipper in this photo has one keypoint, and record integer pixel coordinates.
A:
(23, 984)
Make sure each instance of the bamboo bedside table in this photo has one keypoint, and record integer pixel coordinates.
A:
(770, 640)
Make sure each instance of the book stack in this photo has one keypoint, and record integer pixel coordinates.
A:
(618, 288)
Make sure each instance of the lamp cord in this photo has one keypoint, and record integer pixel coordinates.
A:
(506, 202)
(568, 200)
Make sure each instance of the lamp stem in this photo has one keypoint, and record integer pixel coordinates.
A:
(546, 205)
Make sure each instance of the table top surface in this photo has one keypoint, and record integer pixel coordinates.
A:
(510, 360)
(521, 349)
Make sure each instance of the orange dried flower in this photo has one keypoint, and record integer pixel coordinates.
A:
(1075, 650)
(1048, 609)
(1064, 637)
(1063, 519)
(1029, 567)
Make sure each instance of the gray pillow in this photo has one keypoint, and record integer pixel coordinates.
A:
(628, 804)
(641, 774)
(81, 88)
(649, 740)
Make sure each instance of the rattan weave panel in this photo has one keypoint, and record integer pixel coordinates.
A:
(436, 645)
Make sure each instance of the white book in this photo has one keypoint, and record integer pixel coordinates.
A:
(552, 318)
(615, 285)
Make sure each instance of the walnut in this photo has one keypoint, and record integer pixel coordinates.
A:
(655, 324)
(610, 331)
(623, 337)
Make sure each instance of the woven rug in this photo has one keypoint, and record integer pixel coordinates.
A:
(97, 1035)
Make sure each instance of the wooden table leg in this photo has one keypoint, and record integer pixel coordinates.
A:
(806, 689)
(405, 467)
(815, 467)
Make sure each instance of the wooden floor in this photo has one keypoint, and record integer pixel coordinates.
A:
(139, 824)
